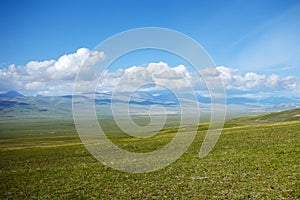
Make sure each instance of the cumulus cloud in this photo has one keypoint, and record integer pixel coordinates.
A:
(179, 77)
(53, 77)
(159, 74)
(49, 75)
(234, 80)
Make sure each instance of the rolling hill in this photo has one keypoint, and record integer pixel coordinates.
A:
(274, 117)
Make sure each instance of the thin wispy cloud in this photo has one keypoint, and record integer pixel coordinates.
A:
(283, 68)
(275, 44)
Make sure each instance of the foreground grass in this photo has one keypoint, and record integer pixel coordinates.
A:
(258, 161)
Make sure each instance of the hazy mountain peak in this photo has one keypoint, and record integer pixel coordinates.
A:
(11, 94)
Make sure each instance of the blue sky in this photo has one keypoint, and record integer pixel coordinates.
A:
(251, 36)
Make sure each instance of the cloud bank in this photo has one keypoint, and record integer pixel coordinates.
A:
(50, 76)
(56, 77)
(159, 74)
(234, 80)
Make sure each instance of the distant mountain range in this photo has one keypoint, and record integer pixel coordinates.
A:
(15, 105)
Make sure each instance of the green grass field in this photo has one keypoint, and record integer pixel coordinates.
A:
(255, 157)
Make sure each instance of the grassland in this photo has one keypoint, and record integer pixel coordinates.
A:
(255, 157)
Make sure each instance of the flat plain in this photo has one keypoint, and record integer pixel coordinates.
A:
(256, 157)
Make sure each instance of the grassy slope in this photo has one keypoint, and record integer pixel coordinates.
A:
(284, 116)
(253, 158)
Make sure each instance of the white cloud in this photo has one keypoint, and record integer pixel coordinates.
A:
(180, 78)
(135, 77)
(66, 66)
(50, 75)
(54, 77)
(36, 85)
(234, 80)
